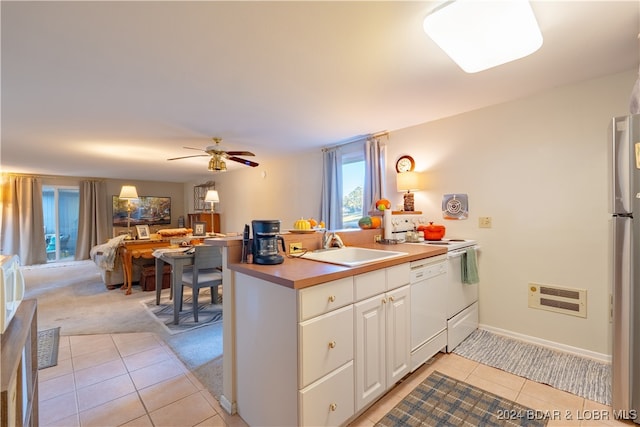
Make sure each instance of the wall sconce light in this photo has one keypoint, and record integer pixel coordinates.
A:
(409, 181)
(212, 197)
(478, 35)
(128, 192)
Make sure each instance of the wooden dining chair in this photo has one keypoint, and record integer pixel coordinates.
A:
(205, 273)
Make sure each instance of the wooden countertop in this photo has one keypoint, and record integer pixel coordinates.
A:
(298, 273)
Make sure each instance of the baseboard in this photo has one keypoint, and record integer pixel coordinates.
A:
(600, 357)
(228, 406)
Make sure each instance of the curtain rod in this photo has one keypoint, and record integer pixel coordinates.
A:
(31, 175)
(357, 138)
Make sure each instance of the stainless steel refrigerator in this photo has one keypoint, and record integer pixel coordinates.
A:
(624, 138)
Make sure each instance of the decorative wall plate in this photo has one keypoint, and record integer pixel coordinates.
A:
(455, 206)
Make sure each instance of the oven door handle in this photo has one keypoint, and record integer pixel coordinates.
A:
(459, 252)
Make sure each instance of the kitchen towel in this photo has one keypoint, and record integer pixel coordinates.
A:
(470, 267)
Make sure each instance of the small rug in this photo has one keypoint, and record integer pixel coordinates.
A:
(444, 401)
(48, 347)
(581, 376)
(207, 313)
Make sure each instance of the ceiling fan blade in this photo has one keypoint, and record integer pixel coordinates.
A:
(191, 148)
(243, 161)
(186, 157)
(240, 153)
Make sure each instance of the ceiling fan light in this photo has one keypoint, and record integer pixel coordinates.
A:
(479, 35)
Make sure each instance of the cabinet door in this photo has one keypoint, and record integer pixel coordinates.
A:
(398, 334)
(370, 349)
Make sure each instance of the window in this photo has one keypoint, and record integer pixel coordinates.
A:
(61, 207)
(352, 188)
(353, 178)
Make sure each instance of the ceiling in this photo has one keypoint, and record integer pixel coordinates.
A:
(113, 89)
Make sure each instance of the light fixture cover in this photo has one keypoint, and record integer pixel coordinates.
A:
(212, 196)
(128, 192)
(409, 181)
(479, 35)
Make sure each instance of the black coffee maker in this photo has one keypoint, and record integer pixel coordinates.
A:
(265, 242)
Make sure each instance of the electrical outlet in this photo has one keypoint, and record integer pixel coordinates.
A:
(295, 248)
(484, 222)
(377, 238)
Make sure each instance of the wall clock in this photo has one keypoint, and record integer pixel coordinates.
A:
(405, 164)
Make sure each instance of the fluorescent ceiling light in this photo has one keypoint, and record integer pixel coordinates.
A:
(480, 34)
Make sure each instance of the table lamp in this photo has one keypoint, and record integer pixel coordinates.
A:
(408, 181)
(212, 197)
(128, 192)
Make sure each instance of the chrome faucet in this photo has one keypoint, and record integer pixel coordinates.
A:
(331, 239)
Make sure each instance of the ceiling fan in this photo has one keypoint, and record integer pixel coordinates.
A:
(218, 156)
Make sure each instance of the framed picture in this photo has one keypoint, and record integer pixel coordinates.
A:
(143, 232)
(199, 228)
(149, 210)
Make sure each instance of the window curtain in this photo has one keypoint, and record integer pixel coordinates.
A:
(332, 189)
(23, 219)
(375, 167)
(92, 218)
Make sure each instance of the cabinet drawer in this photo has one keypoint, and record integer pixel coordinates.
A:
(398, 275)
(325, 343)
(369, 284)
(323, 298)
(329, 401)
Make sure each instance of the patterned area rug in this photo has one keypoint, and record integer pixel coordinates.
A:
(207, 313)
(48, 341)
(581, 376)
(444, 401)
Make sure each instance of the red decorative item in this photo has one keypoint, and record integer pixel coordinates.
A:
(433, 232)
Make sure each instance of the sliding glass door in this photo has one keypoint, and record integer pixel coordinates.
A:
(61, 207)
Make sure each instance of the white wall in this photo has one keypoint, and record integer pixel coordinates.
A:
(286, 189)
(537, 166)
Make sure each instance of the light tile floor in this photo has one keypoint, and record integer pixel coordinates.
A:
(124, 380)
(565, 409)
(136, 380)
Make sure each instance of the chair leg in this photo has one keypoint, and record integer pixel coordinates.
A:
(213, 290)
(181, 298)
(196, 291)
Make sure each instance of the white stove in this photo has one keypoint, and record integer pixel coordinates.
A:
(396, 227)
(450, 244)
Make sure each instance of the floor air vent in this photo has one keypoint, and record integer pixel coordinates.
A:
(560, 300)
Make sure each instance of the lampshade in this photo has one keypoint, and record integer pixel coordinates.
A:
(212, 196)
(409, 181)
(128, 192)
(479, 35)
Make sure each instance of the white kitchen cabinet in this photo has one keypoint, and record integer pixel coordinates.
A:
(319, 355)
(328, 401)
(325, 343)
(383, 344)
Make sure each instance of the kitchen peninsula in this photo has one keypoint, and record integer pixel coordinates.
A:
(300, 339)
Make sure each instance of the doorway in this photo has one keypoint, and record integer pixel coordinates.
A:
(61, 208)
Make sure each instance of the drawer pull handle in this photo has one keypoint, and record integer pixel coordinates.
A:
(333, 406)
(332, 298)
(391, 299)
(384, 300)
(332, 344)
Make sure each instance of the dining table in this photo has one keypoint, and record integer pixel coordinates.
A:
(178, 259)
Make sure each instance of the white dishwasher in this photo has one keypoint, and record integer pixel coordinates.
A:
(428, 313)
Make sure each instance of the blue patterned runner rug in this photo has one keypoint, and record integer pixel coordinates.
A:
(581, 376)
(444, 401)
(48, 347)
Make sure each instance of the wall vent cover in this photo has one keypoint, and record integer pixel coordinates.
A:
(558, 299)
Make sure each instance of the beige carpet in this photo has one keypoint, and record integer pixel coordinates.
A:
(73, 297)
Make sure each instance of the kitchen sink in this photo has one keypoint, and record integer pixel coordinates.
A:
(350, 256)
